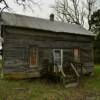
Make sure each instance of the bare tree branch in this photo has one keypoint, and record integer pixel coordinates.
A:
(90, 6)
(5, 5)
(74, 11)
(25, 3)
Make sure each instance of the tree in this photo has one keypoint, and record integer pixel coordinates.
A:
(95, 22)
(24, 3)
(95, 27)
(74, 11)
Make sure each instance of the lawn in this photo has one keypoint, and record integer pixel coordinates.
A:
(40, 89)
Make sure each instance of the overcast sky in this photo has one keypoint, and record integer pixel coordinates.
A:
(43, 12)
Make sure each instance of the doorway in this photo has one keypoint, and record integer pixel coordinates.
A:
(58, 57)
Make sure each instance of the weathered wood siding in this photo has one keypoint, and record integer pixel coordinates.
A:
(18, 40)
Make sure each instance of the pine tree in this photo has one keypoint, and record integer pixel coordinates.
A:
(95, 22)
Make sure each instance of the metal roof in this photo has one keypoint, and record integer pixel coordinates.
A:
(42, 24)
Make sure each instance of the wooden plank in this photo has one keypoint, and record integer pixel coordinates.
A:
(21, 75)
(47, 34)
(76, 72)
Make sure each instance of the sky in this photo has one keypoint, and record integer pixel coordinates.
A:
(43, 11)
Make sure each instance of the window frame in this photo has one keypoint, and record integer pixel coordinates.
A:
(12, 56)
(76, 58)
(36, 50)
(61, 56)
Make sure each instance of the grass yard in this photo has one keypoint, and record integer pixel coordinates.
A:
(40, 89)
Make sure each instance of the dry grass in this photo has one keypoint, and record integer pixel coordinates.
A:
(40, 89)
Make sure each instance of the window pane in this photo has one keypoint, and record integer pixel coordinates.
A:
(33, 56)
(76, 54)
(16, 56)
(57, 54)
(58, 57)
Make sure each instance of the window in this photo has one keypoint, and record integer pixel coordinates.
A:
(58, 57)
(77, 55)
(33, 57)
(16, 56)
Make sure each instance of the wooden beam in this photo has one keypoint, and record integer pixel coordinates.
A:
(76, 72)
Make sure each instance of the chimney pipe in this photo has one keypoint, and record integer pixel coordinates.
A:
(51, 17)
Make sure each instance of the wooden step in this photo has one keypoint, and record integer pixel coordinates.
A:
(74, 84)
(69, 79)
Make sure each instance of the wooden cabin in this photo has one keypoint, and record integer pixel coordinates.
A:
(31, 44)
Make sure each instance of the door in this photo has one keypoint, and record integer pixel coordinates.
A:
(33, 57)
(58, 57)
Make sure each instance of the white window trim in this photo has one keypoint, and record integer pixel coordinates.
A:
(60, 67)
(61, 52)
